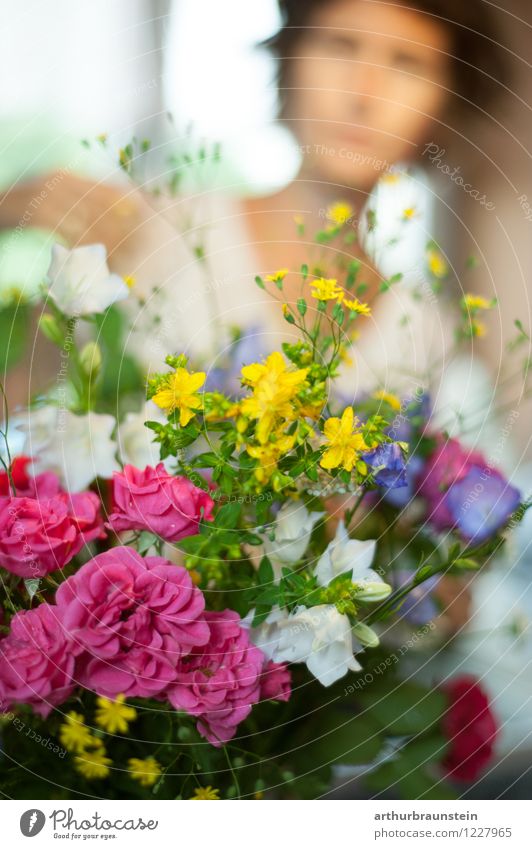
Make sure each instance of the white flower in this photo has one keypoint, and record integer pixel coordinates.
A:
(77, 448)
(80, 282)
(319, 636)
(292, 531)
(135, 440)
(343, 555)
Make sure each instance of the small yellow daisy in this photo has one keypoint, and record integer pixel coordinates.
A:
(114, 716)
(205, 793)
(144, 770)
(93, 765)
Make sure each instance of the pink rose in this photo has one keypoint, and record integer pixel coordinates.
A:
(152, 500)
(36, 663)
(276, 682)
(220, 682)
(36, 537)
(84, 508)
(132, 619)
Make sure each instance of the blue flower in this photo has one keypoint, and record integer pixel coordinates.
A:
(388, 465)
(481, 503)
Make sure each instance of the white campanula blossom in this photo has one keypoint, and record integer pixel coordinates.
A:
(80, 283)
(344, 555)
(292, 531)
(77, 448)
(320, 637)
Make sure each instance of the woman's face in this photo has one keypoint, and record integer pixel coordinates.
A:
(367, 84)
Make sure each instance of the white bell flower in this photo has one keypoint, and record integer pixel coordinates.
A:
(80, 282)
(344, 554)
(319, 636)
(292, 531)
(77, 448)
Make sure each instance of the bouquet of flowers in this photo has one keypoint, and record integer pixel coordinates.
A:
(229, 622)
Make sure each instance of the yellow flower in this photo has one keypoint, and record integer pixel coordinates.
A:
(269, 455)
(436, 263)
(344, 444)
(74, 734)
(144, 770)
(178, 392)
(114, 716)
(476, 302)
(478, 329)
(93, 765)
(205, 793)
(279, 275)
(340, 213)
(357, 306)
(274, 387)
(409, 213)
(324, 289)
(130, 281)
(388, 398)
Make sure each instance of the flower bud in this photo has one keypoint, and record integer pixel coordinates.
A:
(91, 359)
(365, 635)
(372, 591)
(49, 326)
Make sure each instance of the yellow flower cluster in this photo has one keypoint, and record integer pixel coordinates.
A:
(275, 387)
(273, 404)
(90, 756)
(327, 289)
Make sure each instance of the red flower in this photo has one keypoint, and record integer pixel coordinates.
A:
(44, 485)
(470, 727)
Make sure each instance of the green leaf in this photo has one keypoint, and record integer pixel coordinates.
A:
(265, 573)
(260, 282)
(228, 515)
(338, 738)
(405, 708)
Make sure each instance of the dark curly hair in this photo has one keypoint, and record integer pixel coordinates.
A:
(479, 62)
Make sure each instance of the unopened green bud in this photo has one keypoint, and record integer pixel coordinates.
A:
(49, 326)
(91, 359)
(365, 635)
(372, 591)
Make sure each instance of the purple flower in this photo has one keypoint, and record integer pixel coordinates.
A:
(418, 607)
(401, 496)
(481, 503)
(388, 465)
(463, 492)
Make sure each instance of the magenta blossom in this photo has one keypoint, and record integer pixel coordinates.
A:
(84, 509)
(131, 619)
(37, 536)
(276, 682)
(156, 501)
(220, 682)
(36, 663)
